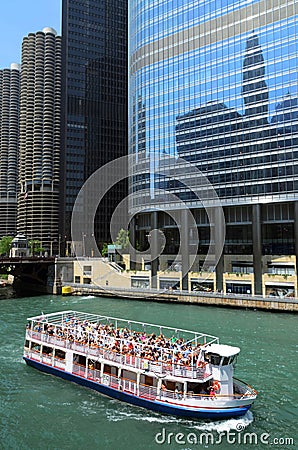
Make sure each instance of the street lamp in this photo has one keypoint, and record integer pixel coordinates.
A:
(84, 248)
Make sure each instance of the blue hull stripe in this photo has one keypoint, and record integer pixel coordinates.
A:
(137, 401)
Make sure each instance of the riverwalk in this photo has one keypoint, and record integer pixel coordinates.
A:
(196, 298)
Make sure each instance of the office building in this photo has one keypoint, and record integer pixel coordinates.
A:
(39, 142)
(9, 135)
(94, 126)
(215, 84)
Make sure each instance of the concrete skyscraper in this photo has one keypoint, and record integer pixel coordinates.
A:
(9, 138)
(39, 148)
(94, 132)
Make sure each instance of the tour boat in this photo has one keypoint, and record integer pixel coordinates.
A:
(169, 370)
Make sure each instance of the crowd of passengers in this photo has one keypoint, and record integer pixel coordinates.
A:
(124, 341)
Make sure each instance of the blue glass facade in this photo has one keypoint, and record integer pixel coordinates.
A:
(215, 83)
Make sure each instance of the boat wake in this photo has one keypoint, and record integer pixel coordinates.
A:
(119, 416)
(221, 426)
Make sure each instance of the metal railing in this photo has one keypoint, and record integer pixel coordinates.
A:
(152, 392)
(141, 292)
(45, 359)
(157, 367)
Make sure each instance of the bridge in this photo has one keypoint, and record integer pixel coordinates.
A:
(31, 274)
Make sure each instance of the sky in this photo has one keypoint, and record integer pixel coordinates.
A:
(20, 17)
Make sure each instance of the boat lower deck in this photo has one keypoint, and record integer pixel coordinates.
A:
(146, 397)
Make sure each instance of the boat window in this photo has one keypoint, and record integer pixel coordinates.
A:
(97, 365)
(114, 370)
(225, 361)
(132, 376)
(26, 344)
(197, 388)
(213, 358)
(35, 347)
(233, 359)
(79, 359)
(47, 350)
(107, 368)
(59, 354)
(171, 385)
(148, 381)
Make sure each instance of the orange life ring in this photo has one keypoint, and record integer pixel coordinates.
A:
(216, 385)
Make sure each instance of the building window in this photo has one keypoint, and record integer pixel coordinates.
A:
(87, 270)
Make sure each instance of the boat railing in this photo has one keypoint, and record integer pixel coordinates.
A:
(63, 319)
(121, 384)
(100, 352)
(79, 370)
(60, 363)
(243, 389)
(149, 392)
(191, 396)
(45, 358)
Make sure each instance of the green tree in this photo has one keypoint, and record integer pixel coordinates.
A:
(123, 239)
(104, 250)
(5, 245)
(34, 247)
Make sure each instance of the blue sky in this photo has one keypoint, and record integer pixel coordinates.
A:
(20, 17)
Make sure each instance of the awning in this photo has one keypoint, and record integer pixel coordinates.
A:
(202, 280)
(139, 277)
(288, 264)
(176, 280)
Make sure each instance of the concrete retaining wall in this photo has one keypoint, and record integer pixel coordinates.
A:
(233, 301)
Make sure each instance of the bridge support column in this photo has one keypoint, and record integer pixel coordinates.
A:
(154, 249)
(257, 248)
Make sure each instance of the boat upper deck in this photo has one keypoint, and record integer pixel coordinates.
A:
(136, 344)
(74, 321)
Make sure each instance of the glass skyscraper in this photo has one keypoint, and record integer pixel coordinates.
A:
(214, 83)
(94, 125)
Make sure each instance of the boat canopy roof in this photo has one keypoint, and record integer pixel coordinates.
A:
(63, 317)
(222, 350)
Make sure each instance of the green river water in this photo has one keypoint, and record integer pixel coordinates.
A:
(38, 411)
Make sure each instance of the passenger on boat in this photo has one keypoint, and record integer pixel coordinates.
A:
(178, 393)
(212, 392)
(121, 340)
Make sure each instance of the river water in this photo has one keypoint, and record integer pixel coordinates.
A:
(39, 411)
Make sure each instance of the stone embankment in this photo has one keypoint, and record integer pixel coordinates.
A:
(196, 298)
